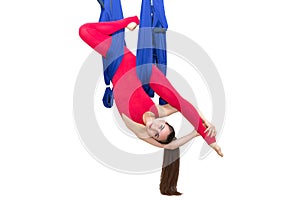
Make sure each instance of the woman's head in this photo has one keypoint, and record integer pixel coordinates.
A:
(160, 130)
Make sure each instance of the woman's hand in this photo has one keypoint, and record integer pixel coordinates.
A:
(210, 129)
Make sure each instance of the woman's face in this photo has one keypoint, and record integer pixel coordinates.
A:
(158, 129)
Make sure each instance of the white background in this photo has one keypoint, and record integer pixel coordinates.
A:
(254, 44)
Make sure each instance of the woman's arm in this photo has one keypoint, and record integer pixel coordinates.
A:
(210, 128)
(140, 131)
(165, 110)
(153, 142)
(175, 143)
(181, 141)
(204, 120)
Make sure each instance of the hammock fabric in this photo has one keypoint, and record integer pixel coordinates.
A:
(151, 42)
(111, 10)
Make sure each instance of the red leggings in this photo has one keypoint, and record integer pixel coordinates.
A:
(97, 35)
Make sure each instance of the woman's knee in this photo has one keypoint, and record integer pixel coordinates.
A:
(85, 30)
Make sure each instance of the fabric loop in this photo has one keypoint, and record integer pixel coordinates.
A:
(108, 98)
(151, 42)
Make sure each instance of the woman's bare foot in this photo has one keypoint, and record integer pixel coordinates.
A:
(217, 149)
(131, 26)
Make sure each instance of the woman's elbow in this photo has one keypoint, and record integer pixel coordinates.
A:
(169, 146)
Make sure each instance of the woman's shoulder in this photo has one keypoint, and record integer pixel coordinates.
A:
(138, 129)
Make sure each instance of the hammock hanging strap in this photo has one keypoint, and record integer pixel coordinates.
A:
(111, 10)
(151, 42)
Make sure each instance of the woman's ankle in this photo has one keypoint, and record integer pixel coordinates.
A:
(134, 19)
(131, 26)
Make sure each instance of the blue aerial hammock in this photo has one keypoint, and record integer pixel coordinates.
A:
(151, 42)
(111, 10)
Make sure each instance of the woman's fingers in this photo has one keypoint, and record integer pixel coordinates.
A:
(207, 129)
(214, 133)
(211, 131)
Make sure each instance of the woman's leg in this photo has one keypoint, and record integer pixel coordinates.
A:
(161, 85)
(98, 35)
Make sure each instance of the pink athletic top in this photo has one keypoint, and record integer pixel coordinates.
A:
(129, 95)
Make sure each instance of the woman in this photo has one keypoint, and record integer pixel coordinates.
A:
(138, 111)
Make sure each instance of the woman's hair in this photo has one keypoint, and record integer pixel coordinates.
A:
(170, 167)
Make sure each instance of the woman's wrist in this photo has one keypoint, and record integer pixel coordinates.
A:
(195, 133)
(204, 120)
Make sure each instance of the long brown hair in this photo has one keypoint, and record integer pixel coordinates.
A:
(170, 168)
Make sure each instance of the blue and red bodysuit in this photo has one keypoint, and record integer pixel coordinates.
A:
(129, 95)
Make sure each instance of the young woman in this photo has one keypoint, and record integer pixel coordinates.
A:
(138, 111)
